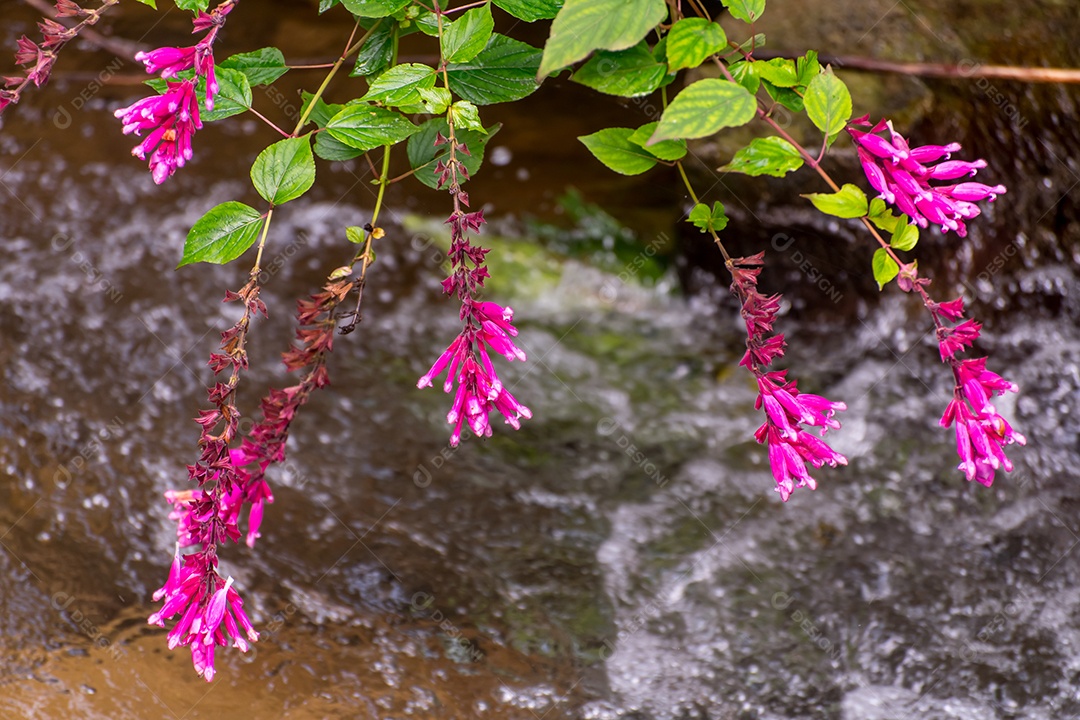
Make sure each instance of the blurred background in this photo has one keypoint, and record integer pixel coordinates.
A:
(623, 555)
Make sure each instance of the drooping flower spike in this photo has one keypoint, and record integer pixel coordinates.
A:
(786, 409)
(981, 433)
(485, 325)
(902, 174)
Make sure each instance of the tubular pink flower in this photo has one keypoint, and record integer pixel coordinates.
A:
(173, 117)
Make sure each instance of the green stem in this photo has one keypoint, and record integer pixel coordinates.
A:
(257, 268)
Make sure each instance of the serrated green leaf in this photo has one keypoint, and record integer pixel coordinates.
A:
(433, 101)
(612, 147)
(807, 68)
(378, 52)
(904, 236)
(321, 113)
(423, 155)
(788, 97)
(780, 72)
(885, 268)
(285, 170)
(766, 156)
(669, 150)
(828, 102)
(261, 67)
(466, 115)
(222, 235)
(330, 148)
(705, 218)
(531, 10)
(504, 71)
(233, 98)
(691, 40)
(626, 73)
(374, 8)
(586, 25)
(705, 107)
(365, 127)
(850, 202)
(464, 38)
(398, 85)
(746, 10)
(745, 74)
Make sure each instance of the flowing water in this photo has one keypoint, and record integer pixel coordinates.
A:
(623, 554)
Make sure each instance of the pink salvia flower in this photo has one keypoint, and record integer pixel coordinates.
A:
(902, 176)
(786, 409)
(486, 325)
(981, 433)
(173, 117)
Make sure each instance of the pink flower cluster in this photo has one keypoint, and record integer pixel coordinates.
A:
(981, 433)
(902, 175)
(173, 117)
(786, 409)
(487, 325)
(479, 389)
(211, 611)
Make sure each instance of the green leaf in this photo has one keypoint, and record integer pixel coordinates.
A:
(766, 156)
(433, 101)
(468, 35)
(705, 107)
(669, 150)
(746, 10)
(612, 147)
(285, 170)
(586, 25)
(692, 40)
(504, 71)
(807, 68)
(398, 85)
(904, 236)
(151, 3)
(850, 202)
(233, 98)
(423, 155)
(745, 74)
(466, 115)
(787, 97)
(329, 148)
(627, 73)
(355, 235)
(779, 71)
(885, 268)
(374, 8)
(531, 10)
(377, 53)
(705, 219)
(261, 67)
(193, 5)
(365, 127)
(222, 235)
(828, 102)
(325, 5)
(322, 111)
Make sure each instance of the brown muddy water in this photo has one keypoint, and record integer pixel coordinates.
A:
(623, 555)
